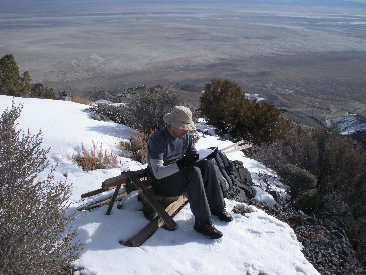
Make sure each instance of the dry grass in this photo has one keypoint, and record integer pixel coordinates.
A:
(81, 100)
(136, 147)
(96, 158)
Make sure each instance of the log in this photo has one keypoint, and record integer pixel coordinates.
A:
(113, 199)
(115, 181)
(100, 203)
(122, 179)
(239, 148)
(154, 224)
(231, 146)
(92, 193)
(152, 200)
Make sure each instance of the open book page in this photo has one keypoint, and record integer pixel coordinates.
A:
(203, 153)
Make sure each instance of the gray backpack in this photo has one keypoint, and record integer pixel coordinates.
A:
(235, 180)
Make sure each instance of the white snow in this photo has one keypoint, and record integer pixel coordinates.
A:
(252, 244)
(347, 124)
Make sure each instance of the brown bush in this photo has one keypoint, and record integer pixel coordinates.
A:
(137, 146)
(81, 100)
(94, 159)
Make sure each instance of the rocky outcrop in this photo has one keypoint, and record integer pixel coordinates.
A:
(325, 244)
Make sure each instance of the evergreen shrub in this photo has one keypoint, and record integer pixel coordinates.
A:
(14, 84)
(11, 82)
(38, 90)
(225, 106)
(299, 180)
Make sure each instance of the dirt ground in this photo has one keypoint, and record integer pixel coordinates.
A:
(309, 61)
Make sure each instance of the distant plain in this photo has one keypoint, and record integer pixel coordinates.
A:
(310, 61)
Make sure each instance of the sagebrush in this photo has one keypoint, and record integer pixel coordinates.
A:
(35, 232)
(115, 113)
(78, 99)
(143, 111)
(136, 147)
(148, 107)
(94, 158)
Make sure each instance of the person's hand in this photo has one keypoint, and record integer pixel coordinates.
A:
(213, 154)
(187, 161)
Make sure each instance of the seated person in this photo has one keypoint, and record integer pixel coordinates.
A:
(173, 169)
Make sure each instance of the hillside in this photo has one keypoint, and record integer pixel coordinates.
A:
(256, 243)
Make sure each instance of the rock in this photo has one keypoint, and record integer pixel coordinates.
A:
(325, 244)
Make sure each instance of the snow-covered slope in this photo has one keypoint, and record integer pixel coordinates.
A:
(347, 124)
(252, 244)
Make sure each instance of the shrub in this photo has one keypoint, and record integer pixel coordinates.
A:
(11, 82)
(137, 146)
(94, 159)
(81, 100)
(298, 179)
(342, 166)
(144, 110)
(301, 148)
(148, 107)
(14, 84)
(225, 106)
(222, 103)
(337, 162)
(109, 95)
(308, 201)
(103, 111)
(38, 90)
(35, 236)
(339, 165)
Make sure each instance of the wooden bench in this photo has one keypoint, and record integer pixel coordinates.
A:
(136, 180)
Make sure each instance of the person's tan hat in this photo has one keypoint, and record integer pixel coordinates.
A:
(180, 117)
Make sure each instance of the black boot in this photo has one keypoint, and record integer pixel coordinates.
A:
(223, 215)
(208, 229)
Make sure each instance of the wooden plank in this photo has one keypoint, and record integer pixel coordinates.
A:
(151, 199)
(100, 203)
(121, 179)
(113, 199)
(173, 208)
(232, 145)
(92, 193)
(114, 182)
(154, 224)
(239, 148)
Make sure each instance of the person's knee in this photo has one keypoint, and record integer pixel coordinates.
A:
(207, 164)
(193, 171)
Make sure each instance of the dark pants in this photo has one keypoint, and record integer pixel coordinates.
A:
(202, 186)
